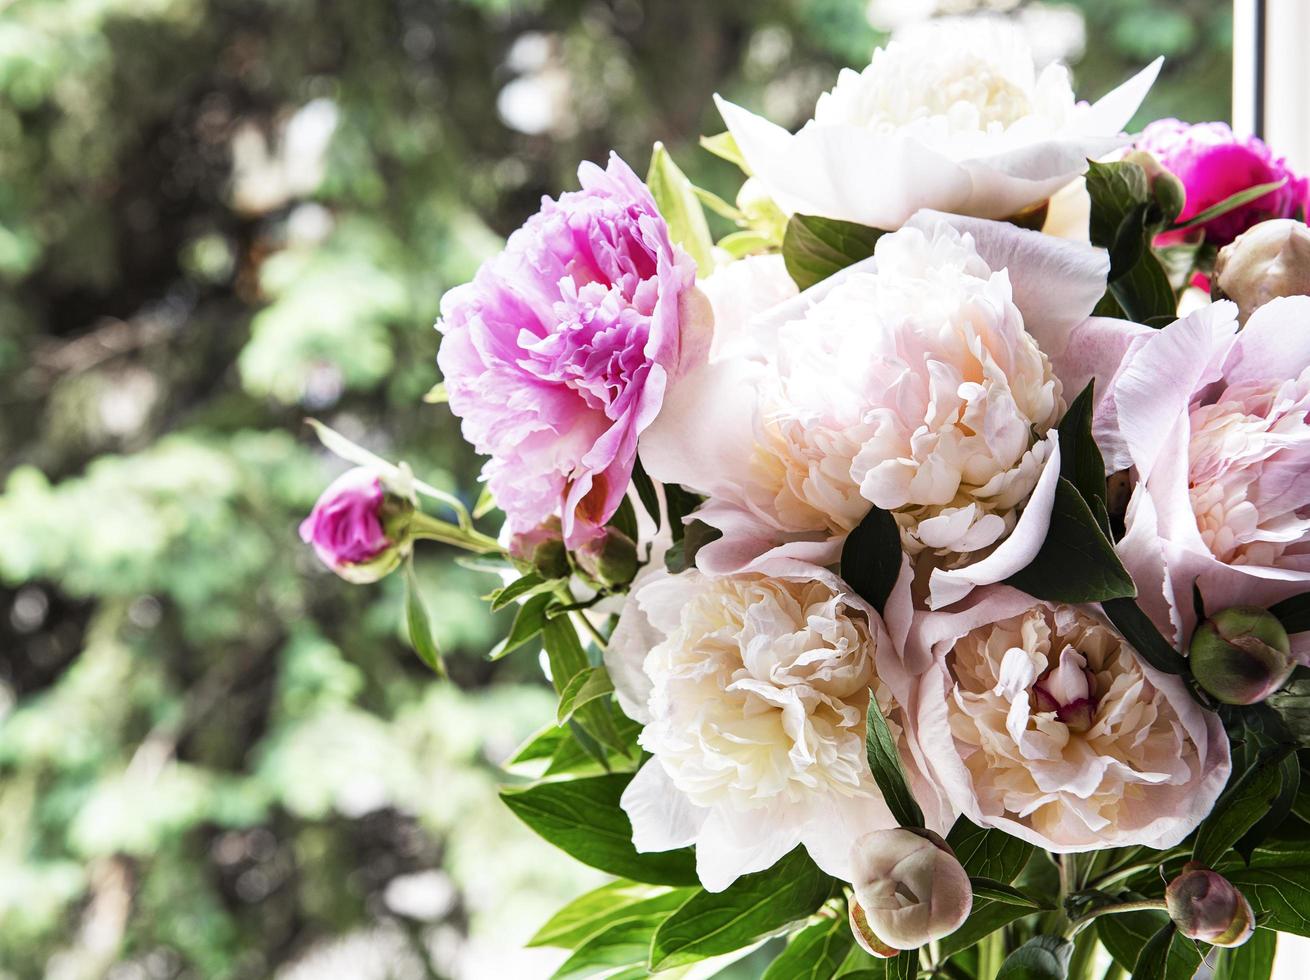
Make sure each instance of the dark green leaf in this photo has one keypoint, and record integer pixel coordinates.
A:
(1240, 807)
(650, 500)
(1142, 636)
(996, 891)
(582, 817)
(1126, 935)
(419, 626)
(888, 773)
(871, 557)
(988, 853)
(603, 907)
(680, 503)
(528, 623)
(682, 555)
(1293, 613)
(986, 917)
(625, 519)
(1076, 562)
(1117, 191)
(753, 906)
(1153, 961)
(1081, 462)
(1272, 817)
(1253, 960)
(1040, 958)
(814, 953)
(814, 248)
(1291, 705)
(903, 966)
(1144, 292)
(1280, 894)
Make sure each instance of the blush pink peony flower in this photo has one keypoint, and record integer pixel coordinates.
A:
(919, 381)
(1216, 424)
(557, 354)
(1214, 163)
(347, 527)
(1040, 720)
(753, 691)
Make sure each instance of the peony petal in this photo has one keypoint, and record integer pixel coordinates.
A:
(1112, 112)
(662, 817)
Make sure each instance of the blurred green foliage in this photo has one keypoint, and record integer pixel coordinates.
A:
(216, 217)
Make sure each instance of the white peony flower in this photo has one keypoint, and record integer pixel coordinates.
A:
(1041, 720)
(915, 381)
(954, 117)
(753, 691)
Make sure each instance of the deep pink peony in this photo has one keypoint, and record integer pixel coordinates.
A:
(557, 354)
(1214, 163)
(345, 526)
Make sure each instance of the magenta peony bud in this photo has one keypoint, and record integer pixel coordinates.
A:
(909, 889)
(1205, 906)
(1270, 260)
(1241, 655)
(610, 559)
(358, 529)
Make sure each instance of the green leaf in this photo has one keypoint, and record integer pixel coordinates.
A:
(1253, 960)
(1040, 958)
(814, 953)
(888, 773)
(986, 917)
(1280, 894)
(602, 907)
(1153, 961)
(579, 754)
(1144, 292)
(1230, 203)
(1081, 462)
(814, 248)
(583, 688)
(529, 621)
(625, 519)
(419, 626)
(650, 500)
(527, 585)
(997, 891)
(681, 208)
(739, 244)
(1119, 193)
(1292, 706)
(1241, 806)
(682, 555)
(567, 661)
(719, 206)
(723, 146)
(624, 943)
(1293, 613)
(1126, 935)
(988, 853)
(1142, 636)
(903, 966)
(1279, 810)
(680, 503)
(871, 557)
(753, 906)
(582, 817)
(437, 394)
(1077, 562)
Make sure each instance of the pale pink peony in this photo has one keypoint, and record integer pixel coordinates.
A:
(557, 355)
(753, 690)
(1213, 164)
(919, 380)
(1216, 424)
(1040, 720)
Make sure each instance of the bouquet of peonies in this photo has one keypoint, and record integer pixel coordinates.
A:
(923, 567)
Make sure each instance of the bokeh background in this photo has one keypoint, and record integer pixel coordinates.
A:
(216, 218)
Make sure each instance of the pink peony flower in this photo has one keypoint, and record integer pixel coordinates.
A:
(1216, 423)
(557, 354)
(346, 526)
(1040, 720)
(1214, 163)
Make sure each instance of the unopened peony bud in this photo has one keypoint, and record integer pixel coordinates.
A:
(1167, 189)
(357, 528)
(542, 550)
(1241, 655)
(1270, 260)
(1206, 906)
(610, 559)
(909, 889)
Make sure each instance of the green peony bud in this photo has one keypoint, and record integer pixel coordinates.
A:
(1166, 188)
(1269, 260)
(1241, 655)
(610, 559)
(1206, 906)
(541, 550)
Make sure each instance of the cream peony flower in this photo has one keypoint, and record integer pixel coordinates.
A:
(753, 691)
(1040, 720)
(915, 381)
(952, 116)
(1216, 424)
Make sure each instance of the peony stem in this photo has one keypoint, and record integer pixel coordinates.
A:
(1144, 905)
(428, 528)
